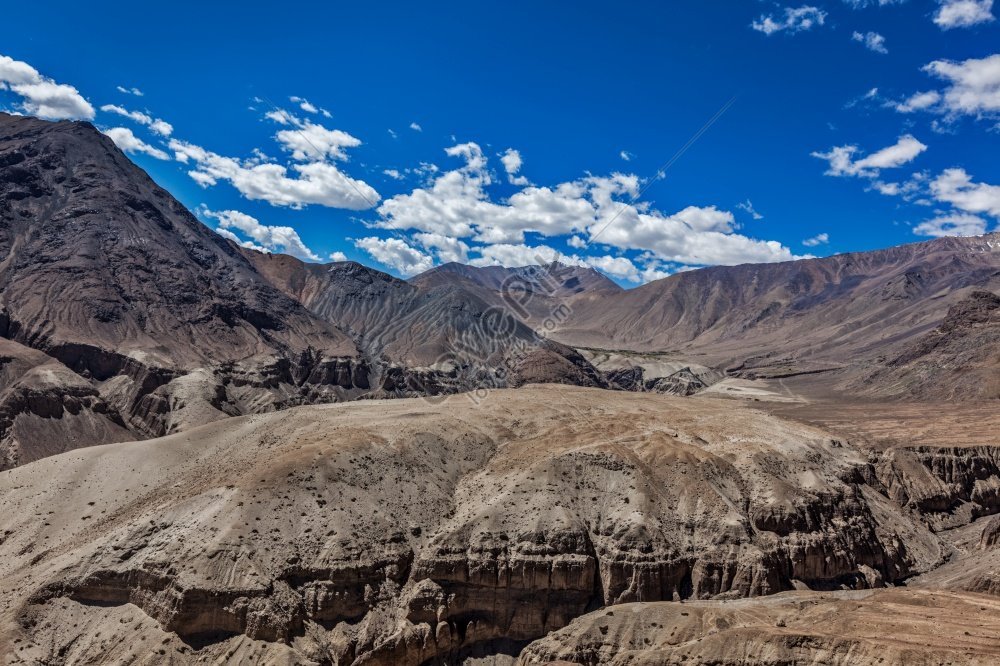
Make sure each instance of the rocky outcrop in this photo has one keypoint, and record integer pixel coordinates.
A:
(410, 531)
(889, 627)
(46, 408)
(990, 537)
(958, 360)
(949, 486)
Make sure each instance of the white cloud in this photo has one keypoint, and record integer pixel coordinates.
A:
(625, 155)
(137, 116)
(161, 127)
(416, 128)
(793, 20)
(40, 95)
(396, 254)
(265, 238)
(129, 91)
(818, 239)
(279, 116)
(512, 162)
(130, 143)
(909, 189)
(456, 204)
(316, 183)
(955, 187)
(392, 133)
(974, 85)
(445, 248)
(517, 255)
(918, 102)
(338, 256)
(747, 206)
(306, 106)
(963, 13)
(393, 173)
(618, 267)
(858, 4)
(576, 242)
(955, 224)
(842, 162)
(310, 141)
(872, 41)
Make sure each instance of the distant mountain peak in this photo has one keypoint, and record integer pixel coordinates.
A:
(556, 278)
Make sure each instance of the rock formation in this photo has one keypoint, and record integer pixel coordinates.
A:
(848, 629)
(404, 532)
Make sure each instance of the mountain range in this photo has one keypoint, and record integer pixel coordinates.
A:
(121, 309)
(524, 465)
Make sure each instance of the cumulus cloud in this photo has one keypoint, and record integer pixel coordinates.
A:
(40, 95)
(519, 254)
(310, 141)
(308, 106)
(956, 187)
(645, 269)
(416, 128)
(318, 183)
(955, 224)
(262, 237)
(818, 239)
(456, 204)
(512, 162)
(872, 41)
(792, 20)
(130, 143)
(842, 163)
(396, 254)
(338, 256)
(445, 248)
(627, 156)
(963, 13)
(161, 127)
(129, 91)
(918, 102)
(973, 85)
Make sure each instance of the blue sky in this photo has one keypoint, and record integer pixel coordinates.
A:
(405, 135)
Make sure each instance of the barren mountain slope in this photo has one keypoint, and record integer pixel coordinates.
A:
(554, 279)
(541, 296)
(97, 262)
(404, 531)
(958, 360)
(815, 313)
(455, 328)
(160, 320)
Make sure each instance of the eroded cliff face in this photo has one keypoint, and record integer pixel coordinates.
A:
(949, 486)
(843, 629)
(405, 532)
(46, 408)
